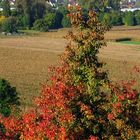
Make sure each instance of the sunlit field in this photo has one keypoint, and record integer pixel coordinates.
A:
(24, 60)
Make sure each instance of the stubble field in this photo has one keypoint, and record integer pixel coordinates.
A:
(24, 60)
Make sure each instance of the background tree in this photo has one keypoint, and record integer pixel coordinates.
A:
(100, 5)
(114, 4)
(40, 25)
(24, 7)
(50, 19)
(9, 25)
(137, 17)
(129, 19)
(6, 8)
(66, 22)
(38, 9)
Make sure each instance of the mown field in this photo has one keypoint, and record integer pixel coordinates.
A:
(24, 60)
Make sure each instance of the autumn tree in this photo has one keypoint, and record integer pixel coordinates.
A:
(84, 70)
(80, 102)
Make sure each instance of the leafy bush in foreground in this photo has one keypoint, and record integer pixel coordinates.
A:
(80, 102)
(8, 98)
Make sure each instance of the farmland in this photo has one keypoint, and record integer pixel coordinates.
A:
(24, 60)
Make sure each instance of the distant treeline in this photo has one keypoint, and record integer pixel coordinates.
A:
(116, 18)
(39, 15)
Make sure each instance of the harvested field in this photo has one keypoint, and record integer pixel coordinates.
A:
(24, 60)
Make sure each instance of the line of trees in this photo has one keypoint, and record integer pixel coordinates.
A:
(116, 18)
(33, 14)
(39, 15)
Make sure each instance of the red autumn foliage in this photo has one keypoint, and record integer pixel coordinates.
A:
(51, 118)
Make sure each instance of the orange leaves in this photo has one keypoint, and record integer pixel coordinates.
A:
(75, 15)
(93, 138)
(111, 116)
(124, 108)
(75, 8)
(92, 14)
(53, 115)
(86, 110)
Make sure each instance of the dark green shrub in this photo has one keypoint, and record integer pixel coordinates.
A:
(66, 22)
(14, 13)
(6, 8)
(38, 10)
(107, 18)
(113, 18)
(129, 19)
(50, 19)
(123, 39)
(9, 25)
(58, 19)
(116, 19)
(0, 26)
(137, 16)
(20, 22)
(8, 98)
(26, 21)
(40, 25)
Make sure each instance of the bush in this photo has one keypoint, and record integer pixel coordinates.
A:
(116, 19)
(40, 25)
(2, 18)
(137, 16)
(129, 19)
(9, 25)
(0, 27)
(8, 97)
(66, 22)
(58, 20)
(113, 18)
(50, 18)
(54, 20)
(6, 8)
(20, 22)
(106, 19)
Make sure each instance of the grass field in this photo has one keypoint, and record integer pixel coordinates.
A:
(24, 60)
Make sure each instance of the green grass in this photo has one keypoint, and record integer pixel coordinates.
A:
(130, 42)
(29, 32)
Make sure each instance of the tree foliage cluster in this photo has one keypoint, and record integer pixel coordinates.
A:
(8, 98)
(115, 18)
(80, 102)
(39, 15)
(35, 14)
